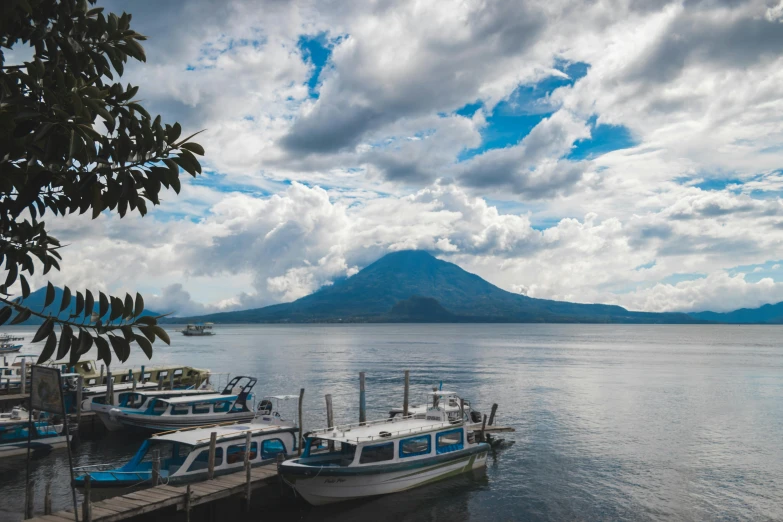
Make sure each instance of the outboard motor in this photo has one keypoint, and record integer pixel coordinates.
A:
(475, 416)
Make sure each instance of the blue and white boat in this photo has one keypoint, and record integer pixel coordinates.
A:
(173, 411)
(378, 458)
(14, 432)
(184, 455)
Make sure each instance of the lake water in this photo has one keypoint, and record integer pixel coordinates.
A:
(613, 422)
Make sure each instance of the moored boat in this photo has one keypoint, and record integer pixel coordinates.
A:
(185, 455)
(173, 413)
(456, 408)
(14, 433)
(139, 401)
(396, 454)
(196, 330)
(176, 375)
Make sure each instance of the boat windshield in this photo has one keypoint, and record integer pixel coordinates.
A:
(172, 456)
(131, 400)
(319, 453)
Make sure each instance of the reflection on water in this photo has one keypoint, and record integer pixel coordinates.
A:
(613, 421)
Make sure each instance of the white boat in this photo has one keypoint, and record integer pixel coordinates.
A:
(192, 330)
(14, 433)
(396, 454)
(156, 413)
(185, 455)
(448, 401)
(269, 410)
(139, 401)
(91, 392)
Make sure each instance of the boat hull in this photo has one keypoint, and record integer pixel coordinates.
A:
(14, 449)
(170, 422)
(336, 485)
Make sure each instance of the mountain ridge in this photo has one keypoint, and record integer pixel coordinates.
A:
(372, 293)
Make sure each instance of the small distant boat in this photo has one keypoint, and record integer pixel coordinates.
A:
(14, 433)
(448, 401)
(138, 411)
(194, 330)
(185, 455)
(7, 347)
(351, 462)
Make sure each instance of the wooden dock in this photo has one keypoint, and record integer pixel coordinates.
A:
(150, 500)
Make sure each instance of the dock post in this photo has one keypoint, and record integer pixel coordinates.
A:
(100, 378)
(483, 427)
(301, 428)
(133, 379)
(187, 501)
(48, 499)
(492, 414)
(248, 442)
(141, 375)
(160, 382)
(109, 382)
(212, 444)
(329, 418)
(23, 373)
(171, 380)
(362, 401)
(79, 386)
(86, 505)
(29, 500)
(462, 410)
(435, 397)
(155, 467)
(406, 393)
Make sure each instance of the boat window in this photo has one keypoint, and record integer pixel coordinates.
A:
(270, 448)
(415, 446)
(177, 373)
(377, 453)
(159, 407)
(201, 462)
(162, 375)
(201, 407)
(180, 409)
(448, 441)
(91, 382)
(222, 407)
(147, 376)
(236, 453)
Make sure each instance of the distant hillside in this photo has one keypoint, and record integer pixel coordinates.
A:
(379, 293)
(36, 300)
(767, 314)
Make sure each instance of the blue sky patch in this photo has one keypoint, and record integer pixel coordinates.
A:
(316, 49)
(603, 139)
(645, 266)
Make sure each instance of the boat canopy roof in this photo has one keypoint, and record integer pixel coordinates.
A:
(170, 393)
(282, 397)
(394, 428)
(125, 386)
(201, 435)
(211, 397)
(441, 393)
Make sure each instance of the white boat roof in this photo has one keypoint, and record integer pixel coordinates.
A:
(282, 397)
(398, 428)
(197, 398)
(441, 393)
(202, 435)
(120, 387)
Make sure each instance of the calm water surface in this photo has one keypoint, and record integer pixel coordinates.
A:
(613, 422)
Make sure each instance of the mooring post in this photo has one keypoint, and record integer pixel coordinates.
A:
(29, 500)
(23, 381)
(133, 380)
(362, 400)
(48, 499)
(405, 394)
(483, 427)
(109, 382)
(212, 444)
(171, 380)
(329, 418)
(492, 414)
(301, 428)
(248, 442)
(155, 467)
(160, 381)
(79, 399)
(435, 397)
(86, 505)
(100, 379)
(141, 375)
(462, 409)
(187, 503)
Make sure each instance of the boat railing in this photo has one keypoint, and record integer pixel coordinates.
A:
(388, 434)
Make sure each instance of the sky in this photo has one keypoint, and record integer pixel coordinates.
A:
(612, 151)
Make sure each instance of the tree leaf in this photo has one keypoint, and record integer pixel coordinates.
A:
(104, 304)
(66, 301)
(49, 295)
(195, 148)
(48, 350)
(89, 303)
(128, 308)
(121, 347)
(144, 344)
(5, 314)
(22, 316)
(116, 308)
(44, 330)
(65, 342)
(161, 333)
(79, 304)
(148, 332)
(13, 270)
(139, 305)
(104, 353)
(25, 286)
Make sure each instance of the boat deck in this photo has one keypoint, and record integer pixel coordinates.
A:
(147, 501)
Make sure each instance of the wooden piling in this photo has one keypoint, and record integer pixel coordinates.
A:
(79, 399)
(86, 505)
(248, 483)
(100, 379)
(29, 500)
(462, 409)
(160, 382)
(406, 393)
(329, 418)
(492, 414)
(48, 499)
(301, 428)
(188, 499)
(362, 400)
(171, 380)
(212, 445)
(141, 375)
(434, 397)
(155, 467)
(23, 373)
(133, 387)
(109, 391)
